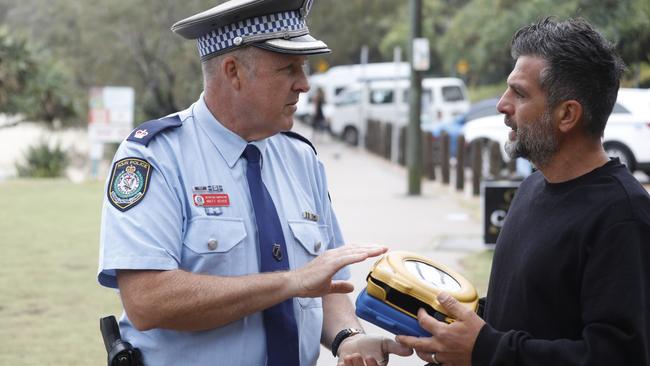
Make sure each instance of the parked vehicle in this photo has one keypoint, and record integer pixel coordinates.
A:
(388, 101)
(338, 78)
(454, 127)
(626, 136)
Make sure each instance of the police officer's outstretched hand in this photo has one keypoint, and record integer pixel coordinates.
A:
(315, 279)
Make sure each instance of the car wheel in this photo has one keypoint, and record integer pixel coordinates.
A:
(350, 136)
(620, 151)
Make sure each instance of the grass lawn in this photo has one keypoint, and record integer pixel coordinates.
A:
(50, 302)
(476, 268)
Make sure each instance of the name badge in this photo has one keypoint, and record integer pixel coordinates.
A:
(211, 200)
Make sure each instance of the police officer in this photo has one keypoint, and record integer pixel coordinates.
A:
(217, 227)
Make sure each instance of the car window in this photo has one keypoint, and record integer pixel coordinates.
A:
(348, 97)
(427, 96)
(619, 109)
(452, 94)
(381, 96)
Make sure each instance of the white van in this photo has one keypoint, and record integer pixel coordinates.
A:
(338, 78)
(388, 101)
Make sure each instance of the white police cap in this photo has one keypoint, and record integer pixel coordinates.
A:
(275, 25)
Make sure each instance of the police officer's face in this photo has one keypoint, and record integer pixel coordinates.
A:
(272, 88)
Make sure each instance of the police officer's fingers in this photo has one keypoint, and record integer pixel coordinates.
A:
(390, 346)
(348, 259)
(429, 323)
(354, 359)
(341, 287)
(356, 255)
(370, 361)
(372, 250)
(452, 306)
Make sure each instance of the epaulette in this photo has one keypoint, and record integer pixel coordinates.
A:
(144, 133)
(301, 138)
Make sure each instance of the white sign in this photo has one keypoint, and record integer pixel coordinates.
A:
(110, 117)
(420, 54)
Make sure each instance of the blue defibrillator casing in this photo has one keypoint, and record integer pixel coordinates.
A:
(386, 317)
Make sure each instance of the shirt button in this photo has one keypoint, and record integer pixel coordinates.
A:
(317, 246)
(212, 244)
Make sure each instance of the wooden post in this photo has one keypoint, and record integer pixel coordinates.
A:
(495, 159)
(366, 140)
(427, 155)
(435, 155)
(477, 167)
(388, 140)
(402, 146)
(460, 163)
(445, 158)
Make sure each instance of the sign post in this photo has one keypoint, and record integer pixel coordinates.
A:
(419, 63)
(110, 119)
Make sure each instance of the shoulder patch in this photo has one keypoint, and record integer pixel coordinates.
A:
(129, 182)
(301, 138)
(144, 133)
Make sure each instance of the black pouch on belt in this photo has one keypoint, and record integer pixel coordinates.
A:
(120, 353)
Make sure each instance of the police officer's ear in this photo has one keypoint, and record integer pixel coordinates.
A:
(232, 71)
(568, 114)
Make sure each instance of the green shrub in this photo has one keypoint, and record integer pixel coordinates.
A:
(43, 161)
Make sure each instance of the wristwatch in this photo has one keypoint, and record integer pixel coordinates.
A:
(345, 333)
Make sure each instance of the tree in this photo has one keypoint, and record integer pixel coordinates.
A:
(16, 68)
(346, 26)
(33, 85)
(119, 43)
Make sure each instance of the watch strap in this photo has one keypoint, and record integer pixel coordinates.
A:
(342, 335)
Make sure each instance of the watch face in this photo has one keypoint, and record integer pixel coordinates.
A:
(432, 275)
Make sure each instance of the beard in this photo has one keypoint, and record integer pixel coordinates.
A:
(536, 141)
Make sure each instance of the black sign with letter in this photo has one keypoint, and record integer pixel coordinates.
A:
(497, 196)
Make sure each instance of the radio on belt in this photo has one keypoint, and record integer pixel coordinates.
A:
(400, 283)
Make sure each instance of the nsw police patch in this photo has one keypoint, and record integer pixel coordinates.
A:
(129, 182)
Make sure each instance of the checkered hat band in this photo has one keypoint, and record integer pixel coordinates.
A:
(223, 38)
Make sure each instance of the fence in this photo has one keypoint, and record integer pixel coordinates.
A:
(479, 161)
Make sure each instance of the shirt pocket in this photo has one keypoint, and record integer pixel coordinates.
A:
(310, 241)
(214, 245)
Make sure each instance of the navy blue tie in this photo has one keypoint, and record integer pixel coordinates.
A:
(279, 321)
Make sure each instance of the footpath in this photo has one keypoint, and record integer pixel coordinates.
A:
(369, 195)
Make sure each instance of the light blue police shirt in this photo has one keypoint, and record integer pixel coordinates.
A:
(169, 230)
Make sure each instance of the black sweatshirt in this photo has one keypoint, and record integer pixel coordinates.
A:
(570, 282)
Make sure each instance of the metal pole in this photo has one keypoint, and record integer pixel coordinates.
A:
(414, 140)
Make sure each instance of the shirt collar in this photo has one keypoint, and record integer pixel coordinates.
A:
(229, 144)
